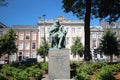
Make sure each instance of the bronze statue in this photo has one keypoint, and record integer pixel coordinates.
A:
(57, 35)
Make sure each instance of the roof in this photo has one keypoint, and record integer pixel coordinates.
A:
(25, 27)
(96, 29)
(104, 24)
(2, 25)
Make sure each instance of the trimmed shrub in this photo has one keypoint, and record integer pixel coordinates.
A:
(3, 77)
(82, 76)
(44, 67)
(73, 64)
(21, 74)
(34, 72)
(105, 74)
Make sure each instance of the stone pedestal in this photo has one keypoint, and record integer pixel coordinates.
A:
(59, 64)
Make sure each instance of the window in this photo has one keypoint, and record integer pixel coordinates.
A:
(33, 45)
(21, 37)
(73, 40)
(33, 54)
(79, 30)
(27, 36)
(118, 26)
(27, 44)
(27, 54)
(48, 29)
(94, 43)
(33, 36)
(13, 57)
(67, 29)
(99, 35)
(67, 40)
(93, 35)
(20, 46)
(73, 30)
(42, 30)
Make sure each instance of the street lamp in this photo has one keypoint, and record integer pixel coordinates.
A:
(44, 26)
(44, 37)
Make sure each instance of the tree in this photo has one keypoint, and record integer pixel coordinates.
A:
(3, 42)
(3, 3)
(109, 44)
(77, 47)
(7, 43)
(88, 9)
(43, 49)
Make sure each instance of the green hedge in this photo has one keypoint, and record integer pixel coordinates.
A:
(3, 77)
(102, 70)
(22, 72)
(75, 64)
(91, 68)
(82, 76)
(105, 74)
(44, 67)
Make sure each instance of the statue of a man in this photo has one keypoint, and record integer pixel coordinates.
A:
(57, 35)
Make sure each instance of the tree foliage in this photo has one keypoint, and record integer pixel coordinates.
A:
(11, 37)
(7, 42)
(77, 47)
(109, 44)
(109, 9)
(87, 9)
(3, 3)
(21, 72)
(43, 49)
(3, 43)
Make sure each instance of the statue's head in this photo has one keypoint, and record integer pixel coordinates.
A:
(57, 22)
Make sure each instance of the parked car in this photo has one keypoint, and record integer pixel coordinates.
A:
(28, 60)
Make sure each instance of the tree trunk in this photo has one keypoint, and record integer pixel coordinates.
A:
(111, 58)
(46, 52)
(8, 59)
(78, 58)
(87, 55)
(44, 58)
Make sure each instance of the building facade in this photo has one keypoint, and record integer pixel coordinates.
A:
(3, 30)
(74, 28)
(27, 42)
(95, 39)
(96, 35)
(115, 28)
(29, 38)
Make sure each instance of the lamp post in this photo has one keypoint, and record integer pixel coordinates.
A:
(44, 37)
(44, 26)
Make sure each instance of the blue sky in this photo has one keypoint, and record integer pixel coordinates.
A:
(26, 12)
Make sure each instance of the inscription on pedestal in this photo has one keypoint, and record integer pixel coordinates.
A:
(59, 65)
